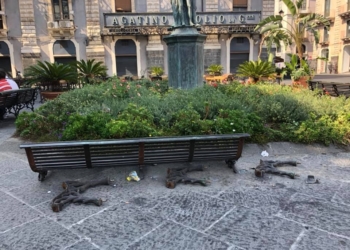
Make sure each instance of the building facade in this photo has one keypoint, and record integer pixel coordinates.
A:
(335, 42)
(127, 35)
(308, 7)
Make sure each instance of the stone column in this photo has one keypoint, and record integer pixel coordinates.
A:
(155, 52)
(212, 51)
(95, 49)
(185, 58)
(30, 50)
(225, 52)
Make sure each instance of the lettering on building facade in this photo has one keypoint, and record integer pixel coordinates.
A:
(113, 20)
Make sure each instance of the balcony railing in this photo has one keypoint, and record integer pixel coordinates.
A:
(345, 36)
(61, 28)
(324, 41)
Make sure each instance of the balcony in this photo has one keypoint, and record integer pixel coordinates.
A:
(330, 15)
(61, 28)
(324, 41)
(344, 10)
(345, 36)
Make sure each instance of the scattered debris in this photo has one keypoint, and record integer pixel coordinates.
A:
(264, 153)
(271, 168)
(312, 180)
(72, 193)
(179, 175)
(133, 176)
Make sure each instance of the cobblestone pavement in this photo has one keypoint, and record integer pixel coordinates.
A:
(237, 211)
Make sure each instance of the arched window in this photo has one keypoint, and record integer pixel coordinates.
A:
(126, 58)
(64, 51)
(239, 52)
(5, 59)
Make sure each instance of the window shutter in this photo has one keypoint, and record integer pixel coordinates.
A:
(123, 5)
(240, 3)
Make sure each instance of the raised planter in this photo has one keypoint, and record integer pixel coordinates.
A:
(301, 82)
(50, 95)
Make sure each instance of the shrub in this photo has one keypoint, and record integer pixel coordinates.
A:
(121, 109)
(134, 121)
(86, 127)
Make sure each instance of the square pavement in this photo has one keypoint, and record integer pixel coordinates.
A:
(237, 211)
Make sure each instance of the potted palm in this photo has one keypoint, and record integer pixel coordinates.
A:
(299, 77)
(89, 71)
(53, 78)
(256, 70)
(215, 69)
(156, 73)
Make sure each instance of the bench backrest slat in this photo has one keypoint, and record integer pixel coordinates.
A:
(133, 151)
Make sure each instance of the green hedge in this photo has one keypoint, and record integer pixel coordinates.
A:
(118, 109)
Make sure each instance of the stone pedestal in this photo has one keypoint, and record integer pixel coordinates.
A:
(185, 58)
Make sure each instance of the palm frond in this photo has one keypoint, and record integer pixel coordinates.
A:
(291, 7)
(268, 20)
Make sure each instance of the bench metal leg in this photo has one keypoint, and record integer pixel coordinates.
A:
(42, 175)
(231, 164)
(141, 172)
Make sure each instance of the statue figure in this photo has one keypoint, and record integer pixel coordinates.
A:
(184, 12)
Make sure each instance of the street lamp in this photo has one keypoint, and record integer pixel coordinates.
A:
(281, 12)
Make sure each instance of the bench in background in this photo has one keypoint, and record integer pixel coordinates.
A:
(331, 88)
(43, 157)
(16, 100)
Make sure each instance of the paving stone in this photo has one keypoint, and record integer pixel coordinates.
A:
(174, 236)
(38, 192)
(315, 239)
(268, 199)
(38, 234)
(319, 213)
(118, 226)
(343, 194)
(14, 213)
(193, 209)
(324, 190)
(11, 146)
(18, 179)
(10, 164)
(82, 245)
(252, 229)
(71, 213)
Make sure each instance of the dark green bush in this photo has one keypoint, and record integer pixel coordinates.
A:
(134, 121)
(120, 109)
(86, 127)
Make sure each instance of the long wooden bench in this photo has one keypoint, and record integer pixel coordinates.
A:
(43, 157)
(16, 100)
(331, 88)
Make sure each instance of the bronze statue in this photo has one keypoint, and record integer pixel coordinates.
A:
(72, 193)
(179, 175)
(184, 12)
(271, 168)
